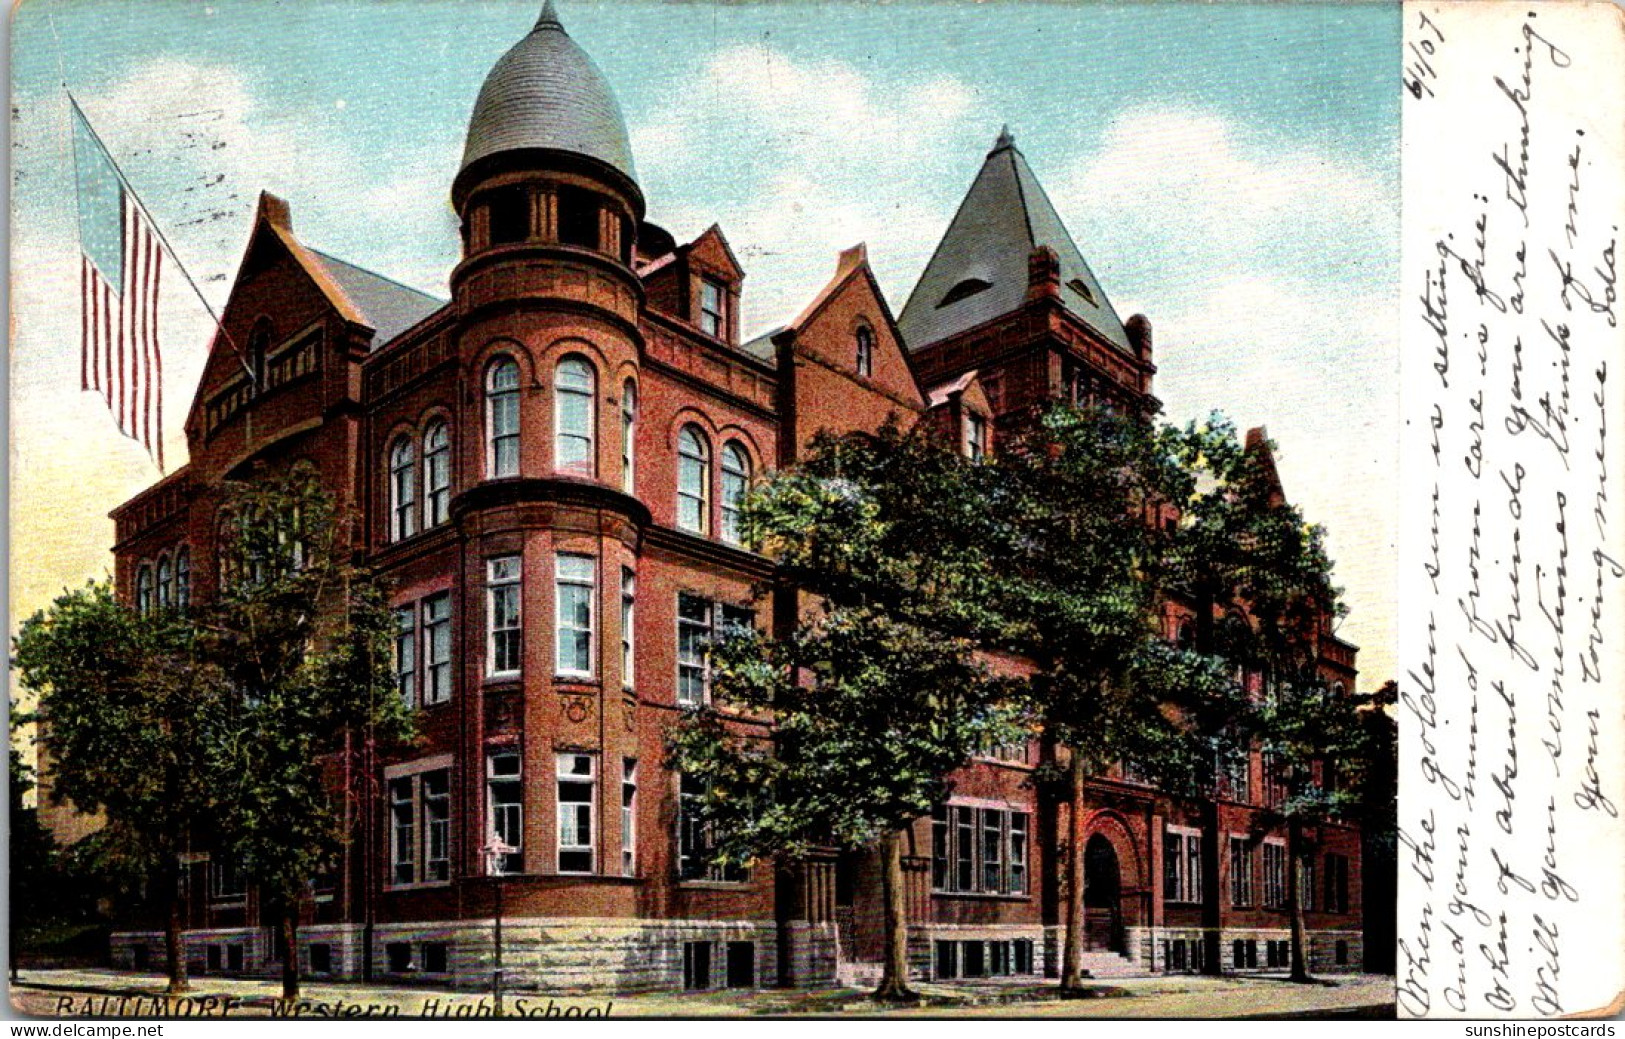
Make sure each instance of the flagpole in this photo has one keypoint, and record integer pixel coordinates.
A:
(159, 231)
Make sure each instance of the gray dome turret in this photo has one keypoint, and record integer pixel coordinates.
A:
(546, 94)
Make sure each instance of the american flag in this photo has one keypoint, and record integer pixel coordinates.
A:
(120, 267)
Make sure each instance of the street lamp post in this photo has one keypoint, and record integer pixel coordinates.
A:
(495, 849)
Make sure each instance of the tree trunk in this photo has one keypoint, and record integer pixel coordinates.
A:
(174, 949)
(290, 953)
(1294, 901)
(1072, 954)
(894, 969)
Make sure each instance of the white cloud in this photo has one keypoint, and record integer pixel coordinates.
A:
(1266, 269)
(801, 159)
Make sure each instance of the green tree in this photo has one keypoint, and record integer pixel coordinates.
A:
(1258, 580)
(33, 851)
(129, 703)
(303, 637)
(1082, 557)
(1311, 737)
(841, 730)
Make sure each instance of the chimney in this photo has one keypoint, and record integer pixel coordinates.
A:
(851, 258)
(275, 211)
(1043, 273)
(1138, 328)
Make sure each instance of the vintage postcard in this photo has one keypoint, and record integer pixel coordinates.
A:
(599, 509)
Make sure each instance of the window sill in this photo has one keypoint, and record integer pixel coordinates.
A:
(980, 896)
(714, 885)
(417, 885)
(503, 678)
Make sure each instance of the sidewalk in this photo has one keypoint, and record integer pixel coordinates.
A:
(83, 994)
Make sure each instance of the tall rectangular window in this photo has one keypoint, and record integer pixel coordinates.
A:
(939, 848)
(1274, 875)
(405, 657)
(992, 850)
(420, 828)
(1181, 866)
(975, 435)
(965, 839)
(1337, 883)
(629, 589)
(402, 828)
(436, 791)
(437, 648)
(574, 617)
(502, 592)
(576, 783)
(226, 881)
(503, 796)
(979, 850)
(712, 320)
(1018, 853)
(1306, 883)
(1241, 872)
(629, 817)
(1193, 868)
(699, 620)
(696, 854)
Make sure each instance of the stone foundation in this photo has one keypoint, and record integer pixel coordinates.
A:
(549, 955)
(1154, 948)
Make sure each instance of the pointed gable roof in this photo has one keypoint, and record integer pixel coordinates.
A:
(979, 271)
(386, 305)
(359, 295)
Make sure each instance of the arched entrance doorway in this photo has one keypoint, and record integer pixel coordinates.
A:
(1102, 895)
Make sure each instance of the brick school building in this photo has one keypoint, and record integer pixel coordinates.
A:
(547, 466)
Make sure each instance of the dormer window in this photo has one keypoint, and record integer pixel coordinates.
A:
(712, 316)
(508, 215)
(968, 287)
(1079, 286)
(866, 352)
(975, 436)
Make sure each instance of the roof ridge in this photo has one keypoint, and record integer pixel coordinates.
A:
(1021, 197)
(369, 271)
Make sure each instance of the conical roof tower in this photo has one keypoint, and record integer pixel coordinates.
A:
(980, 269)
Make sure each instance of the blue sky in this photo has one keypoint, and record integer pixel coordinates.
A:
(1231, 170)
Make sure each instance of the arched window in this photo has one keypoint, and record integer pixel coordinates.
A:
(502, 417)
(693, 480)
(735, 481)
(629, 440)
(166, 582)
(143, 588)
(573, 416)
(183, 578)
(866, 352)
(402, 496)
(436, 474)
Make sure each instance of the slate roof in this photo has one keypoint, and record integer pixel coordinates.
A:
(1003, 217)
(547, 93)
(388, 306)
(762, 347)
